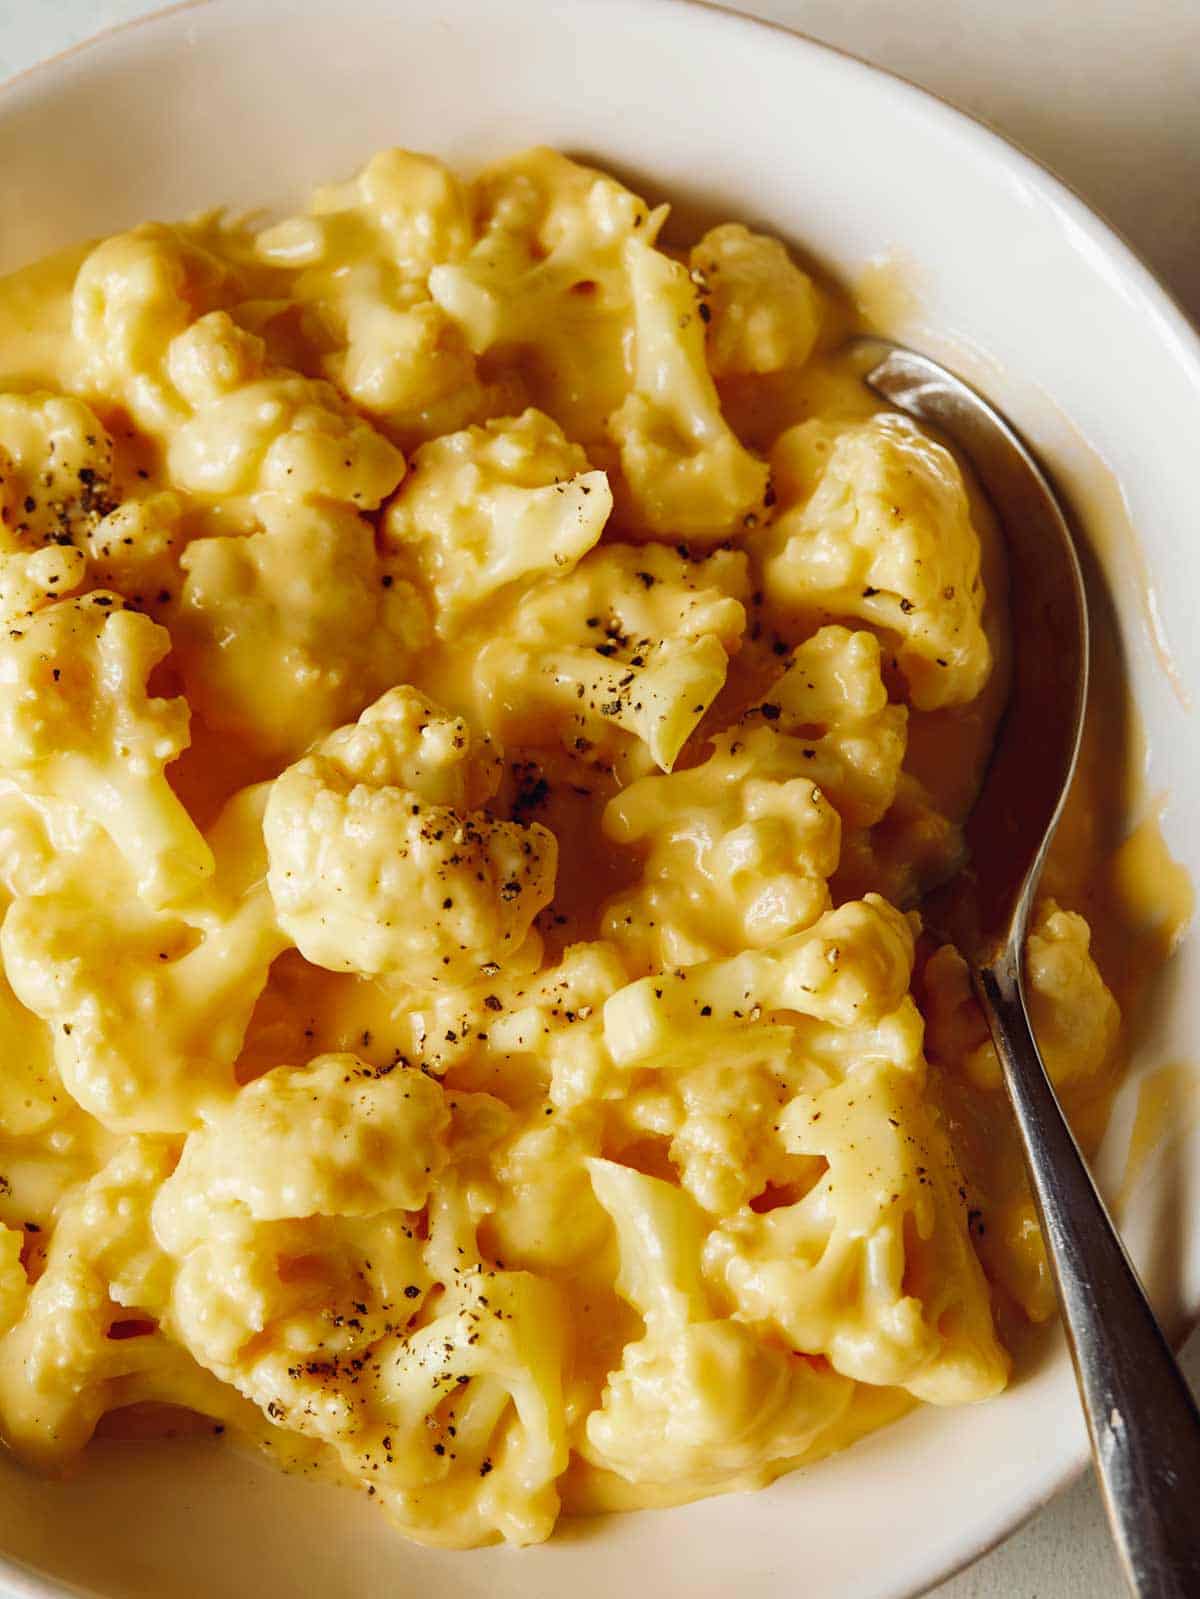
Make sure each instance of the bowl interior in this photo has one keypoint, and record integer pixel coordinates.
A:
(1006, 276)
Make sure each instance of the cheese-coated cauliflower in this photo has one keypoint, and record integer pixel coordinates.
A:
(735, 852)
(379, 865)
(684, 473)
(881, 530)
(148, 1008)
(132, 295)
(696, 1396)
(283, 634)
(635, 641)
(850, 967)
(31, 579)
(86, 1339)
(539, 1024)
(622, 598)
(282, 1309)
(136, 550)
(324, 1323)
(831, 698)
(335, 1137)
(360, 259)
(488, 506)
(411, 203)
(56, 468)
(254, 429)
(1075, 1018)
(77, 724)
(544, 1215)
(764, 314)
(873, 1268)
(545, 291)
(717, 1098)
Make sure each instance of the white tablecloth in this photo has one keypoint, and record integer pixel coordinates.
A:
(1105, 92)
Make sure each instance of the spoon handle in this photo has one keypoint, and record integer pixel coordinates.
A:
(1143, 1422)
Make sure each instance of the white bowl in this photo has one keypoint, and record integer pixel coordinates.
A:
(1011, 278)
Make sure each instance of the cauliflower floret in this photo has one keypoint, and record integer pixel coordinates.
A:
(696, 1397)
(1075, 1017)
(31, 579)
(86, 1340)
(873, 1267)
(634, 641)
(831, 697)
(313, 1320)
(283, 634)
(623, 597)
(136, 549)
(849, 968)
(736, 852)
(1077, 1022)
(361, 259)
(132, 295)
(717, 1097)
(333, 1138)
(490, 505)
(281, 1309)
(685, 475)
(148, 1009)
(764, 314)
(77, 724)
(56, 465)
(377, 863)
(881, 530)
(150, 313)
(513, 1025)
(545, 289)
(253, 429)
(545, 1217)
(411, 205)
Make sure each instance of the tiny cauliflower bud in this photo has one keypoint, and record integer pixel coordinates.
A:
(379, 866)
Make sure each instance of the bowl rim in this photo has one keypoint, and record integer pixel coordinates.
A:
(1179, 337)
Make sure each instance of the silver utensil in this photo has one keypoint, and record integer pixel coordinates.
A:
(1143, 1422)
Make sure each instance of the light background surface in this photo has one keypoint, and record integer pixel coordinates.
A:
(1107, 94)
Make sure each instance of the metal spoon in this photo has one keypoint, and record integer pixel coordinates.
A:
(1143, 1422)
